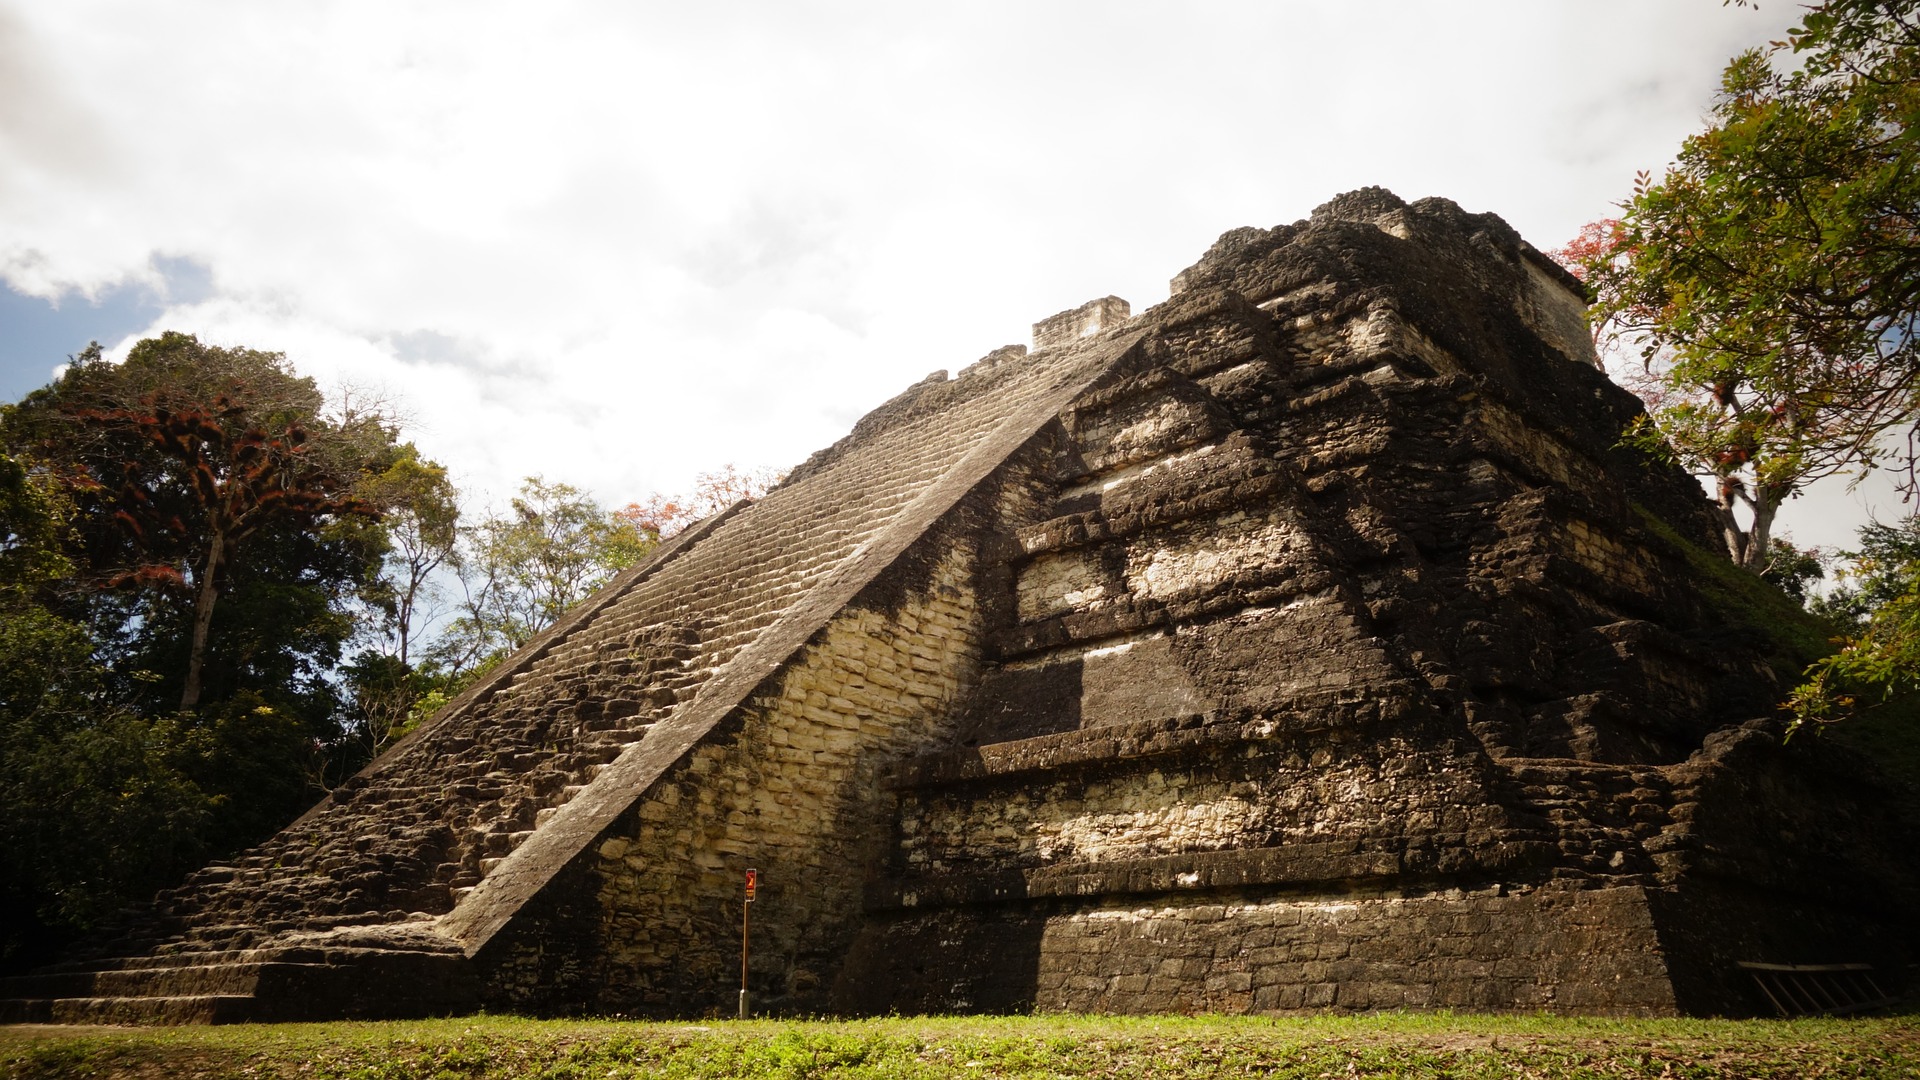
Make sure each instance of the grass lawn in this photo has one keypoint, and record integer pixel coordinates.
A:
(1335, 1047)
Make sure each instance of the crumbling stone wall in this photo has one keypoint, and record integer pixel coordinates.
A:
(1190, 785)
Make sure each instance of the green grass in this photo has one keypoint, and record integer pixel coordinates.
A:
(1387, 1045)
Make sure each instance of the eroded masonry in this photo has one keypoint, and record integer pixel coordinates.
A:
(1305, 641)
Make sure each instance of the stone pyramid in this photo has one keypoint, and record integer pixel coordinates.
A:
(1305, 641)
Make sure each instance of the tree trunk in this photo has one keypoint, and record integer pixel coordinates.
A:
(415, 576)
(1726, 501)
(1760, 537)
(1749, 547)
(202, 621)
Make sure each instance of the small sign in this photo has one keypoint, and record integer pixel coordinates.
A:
(753, 878)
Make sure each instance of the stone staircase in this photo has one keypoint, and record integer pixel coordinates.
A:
(389, 852)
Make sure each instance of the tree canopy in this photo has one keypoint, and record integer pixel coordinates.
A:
(664, 516)
(1771, 280)
(209, 481)
(1771, 276)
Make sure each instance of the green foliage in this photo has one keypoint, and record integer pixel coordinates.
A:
(1880, 572)
(1801, 638)
(1772, 274)
(1390, 1045)
(1796, 637)
(389, 691)
(387, 699)
(420, 519)
(523, 569)
(94, 808)
(1879, 604)
(1793, 570)
(95, 812)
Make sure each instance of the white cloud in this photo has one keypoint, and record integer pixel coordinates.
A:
(620, 243)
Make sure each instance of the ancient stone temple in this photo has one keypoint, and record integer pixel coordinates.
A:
(1304, 641)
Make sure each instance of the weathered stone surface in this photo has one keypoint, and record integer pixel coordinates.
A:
(1304, 642)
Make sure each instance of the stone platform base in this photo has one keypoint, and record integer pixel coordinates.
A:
(1561, 949)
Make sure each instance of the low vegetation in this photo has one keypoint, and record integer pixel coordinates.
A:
(1390, 1045)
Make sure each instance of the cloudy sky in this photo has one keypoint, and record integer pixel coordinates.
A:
(619, 243)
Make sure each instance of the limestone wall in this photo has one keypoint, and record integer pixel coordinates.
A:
(793, 793)
(1252, 786)
(1573, 950)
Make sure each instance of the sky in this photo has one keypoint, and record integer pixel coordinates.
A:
(617, 243)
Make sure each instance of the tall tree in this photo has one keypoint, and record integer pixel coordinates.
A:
(389, 690)
(420, 518)
(184, 456)
(1772, 275)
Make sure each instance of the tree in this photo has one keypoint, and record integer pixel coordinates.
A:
(1772, 275)
(388, 692)
(1795, 570)
(523, 569)
(664, 516)
(1878, 605)
(420, 518)
(186, 455)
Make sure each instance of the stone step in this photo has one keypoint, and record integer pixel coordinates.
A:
(91, 968)
(141, 1011)
(1116, 747)
(321, 980)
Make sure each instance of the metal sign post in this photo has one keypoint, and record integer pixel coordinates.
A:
(752, 880)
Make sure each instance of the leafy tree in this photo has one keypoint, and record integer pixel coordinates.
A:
(388, 692)
(420, 517)
(523, 569)
(199, 472)
(1772, 275)
(1795, 570)
(1874, 575)
(1878, 604)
